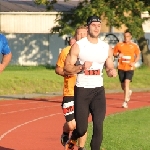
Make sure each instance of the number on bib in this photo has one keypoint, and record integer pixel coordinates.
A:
(92, 72)
(123, 59)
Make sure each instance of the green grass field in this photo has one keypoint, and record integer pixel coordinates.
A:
(42, 79)
(126, 131)
(18, 80)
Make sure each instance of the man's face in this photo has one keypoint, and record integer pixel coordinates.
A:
(81, 33)
(94, 29)
(127, 37)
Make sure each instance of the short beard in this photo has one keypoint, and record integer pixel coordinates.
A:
(93, 36)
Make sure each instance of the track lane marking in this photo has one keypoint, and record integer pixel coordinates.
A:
(22, 110)
(25, 123)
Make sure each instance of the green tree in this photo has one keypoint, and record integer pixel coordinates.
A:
(116, 12)
(128, 12)
(47, 3)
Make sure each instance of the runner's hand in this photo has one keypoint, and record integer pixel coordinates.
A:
(112, 73)
(86, 65)
(120, 55)
(132, 64)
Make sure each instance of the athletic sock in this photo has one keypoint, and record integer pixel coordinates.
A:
(81, 148)
(65, 133)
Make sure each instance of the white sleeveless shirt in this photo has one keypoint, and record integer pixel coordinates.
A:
(97, 54)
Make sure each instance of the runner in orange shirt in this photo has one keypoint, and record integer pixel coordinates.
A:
(68, 91)
(128, 54)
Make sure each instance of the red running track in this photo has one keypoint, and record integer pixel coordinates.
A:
(36, 124)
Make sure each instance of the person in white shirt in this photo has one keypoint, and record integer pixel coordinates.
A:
(89, 92)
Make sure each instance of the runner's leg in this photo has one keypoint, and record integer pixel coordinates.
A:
(82, 99)
(98, 111)
(68, 110)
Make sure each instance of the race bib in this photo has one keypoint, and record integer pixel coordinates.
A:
(126, 59)
(92, 72)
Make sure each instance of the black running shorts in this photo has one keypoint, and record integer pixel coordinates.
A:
(123, 75)
(68, 107)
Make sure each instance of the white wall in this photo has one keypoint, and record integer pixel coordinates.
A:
(27, 22)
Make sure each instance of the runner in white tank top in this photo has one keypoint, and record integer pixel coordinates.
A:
(89, 93)
(97, 54)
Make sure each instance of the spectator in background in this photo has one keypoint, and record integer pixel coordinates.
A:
(5, 51)
(128, 54)
(68, 91)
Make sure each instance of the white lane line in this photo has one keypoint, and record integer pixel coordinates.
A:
(22, 110)
(25, 123)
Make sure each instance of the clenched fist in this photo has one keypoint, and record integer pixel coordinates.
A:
(86, 65)
(112, 73)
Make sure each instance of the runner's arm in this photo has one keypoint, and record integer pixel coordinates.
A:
(69, 67)
(6, 53)
(60, 71)
(110, 70)
(6, 58)
(116, 52)
(60, 63)
(137, 56)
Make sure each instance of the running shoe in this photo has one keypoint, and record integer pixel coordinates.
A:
(125, 105)
(70, 144)
(64, 139)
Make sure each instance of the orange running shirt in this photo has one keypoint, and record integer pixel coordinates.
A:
(69, 82)
(129, 50)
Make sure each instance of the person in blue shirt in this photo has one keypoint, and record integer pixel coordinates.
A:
(5, 51)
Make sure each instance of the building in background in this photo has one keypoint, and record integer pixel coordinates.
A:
(27, 27)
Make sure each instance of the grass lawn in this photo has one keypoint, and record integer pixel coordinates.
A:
(42, 79)
(18, 80)
(129, 130)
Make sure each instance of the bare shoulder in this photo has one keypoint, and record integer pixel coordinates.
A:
(74, 49)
